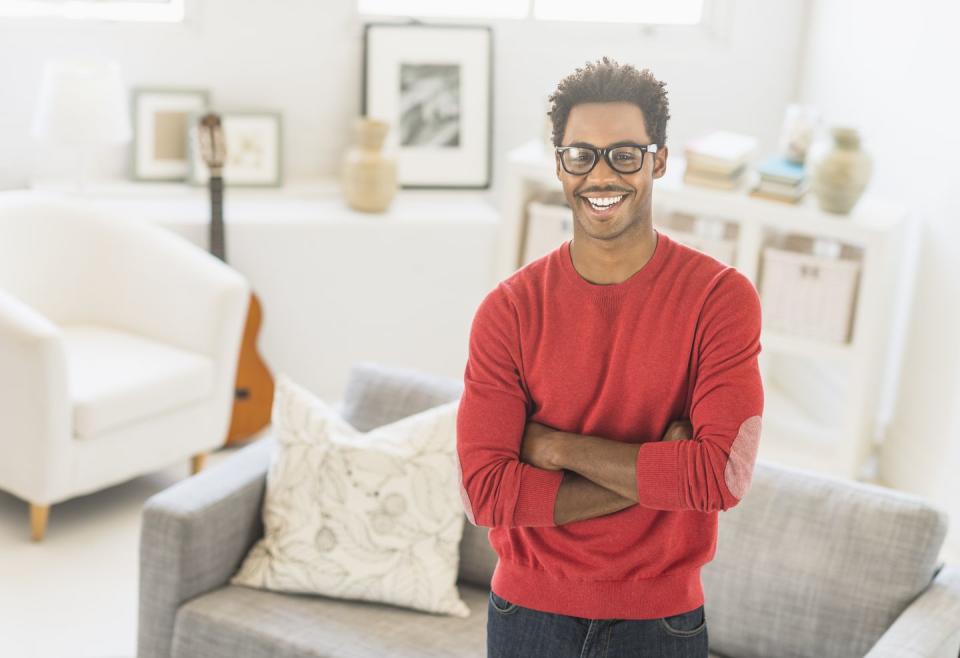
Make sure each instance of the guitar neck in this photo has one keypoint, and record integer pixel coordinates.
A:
(217, 247)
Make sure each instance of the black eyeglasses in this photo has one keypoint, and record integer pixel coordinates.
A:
(624, 158)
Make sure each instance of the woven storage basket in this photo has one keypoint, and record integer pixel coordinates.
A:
(808, 295)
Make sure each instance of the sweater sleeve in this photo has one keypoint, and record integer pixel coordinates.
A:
(498, 489)
(712, 471)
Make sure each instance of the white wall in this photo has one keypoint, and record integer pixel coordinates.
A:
(889, 68)
(304, 58)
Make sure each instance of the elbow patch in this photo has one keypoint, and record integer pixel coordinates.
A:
(464, 497)
(743, 455)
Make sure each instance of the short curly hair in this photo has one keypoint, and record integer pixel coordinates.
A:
(606, 81)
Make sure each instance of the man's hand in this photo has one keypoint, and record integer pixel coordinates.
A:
(537, 446)
(679, 430)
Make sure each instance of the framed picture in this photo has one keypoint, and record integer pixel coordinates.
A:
(160, 118)
(254, 151)
(433, 84)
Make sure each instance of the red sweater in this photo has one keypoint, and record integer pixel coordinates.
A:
(678, 339)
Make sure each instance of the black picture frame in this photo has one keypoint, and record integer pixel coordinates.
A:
(429, 60)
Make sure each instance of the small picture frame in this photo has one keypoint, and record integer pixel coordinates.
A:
(433, 84)
(254, 150)
(161, 118)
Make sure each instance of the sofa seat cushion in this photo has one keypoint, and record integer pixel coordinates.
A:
(242, 622)
(116, 377)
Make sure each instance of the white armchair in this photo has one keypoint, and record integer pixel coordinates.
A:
(118, 349)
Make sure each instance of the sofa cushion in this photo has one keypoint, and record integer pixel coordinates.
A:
(812, 566)
(377, 394)
(116, 377)
(374, 516)
(239, 622)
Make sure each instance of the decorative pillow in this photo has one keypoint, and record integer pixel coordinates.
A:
(374, 516)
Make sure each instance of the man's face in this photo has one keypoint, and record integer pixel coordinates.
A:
(600, 125)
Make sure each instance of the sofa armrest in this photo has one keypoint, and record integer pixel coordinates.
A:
(193, 538)
(930, 626)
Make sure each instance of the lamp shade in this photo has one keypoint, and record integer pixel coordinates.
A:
(82, 102)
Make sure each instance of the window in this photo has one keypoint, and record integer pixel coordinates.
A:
(447, 8)
(160, 11)
(654, 12)
(675, 12)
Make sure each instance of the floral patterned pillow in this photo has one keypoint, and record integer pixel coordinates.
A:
(372, 516)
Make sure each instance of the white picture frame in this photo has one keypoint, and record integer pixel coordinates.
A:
(253, 150)
(161, 118)
(433, 84)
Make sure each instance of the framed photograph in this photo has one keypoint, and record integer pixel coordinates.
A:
(254, 151)
(160, 118)
(433, 84)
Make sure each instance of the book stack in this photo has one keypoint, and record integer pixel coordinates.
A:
(781, 180)
(718, 159)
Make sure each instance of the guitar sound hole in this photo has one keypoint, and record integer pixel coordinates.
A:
(242, 393)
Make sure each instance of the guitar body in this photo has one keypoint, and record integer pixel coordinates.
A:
(254, 389)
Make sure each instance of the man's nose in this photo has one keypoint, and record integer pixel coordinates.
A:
(602, 174)
(604, 167)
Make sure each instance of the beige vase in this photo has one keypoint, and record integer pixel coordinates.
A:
(841, 174)
(369, 177)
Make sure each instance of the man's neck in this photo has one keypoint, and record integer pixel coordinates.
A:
(604, 262)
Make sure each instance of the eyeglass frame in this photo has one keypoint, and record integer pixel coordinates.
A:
(604, 153)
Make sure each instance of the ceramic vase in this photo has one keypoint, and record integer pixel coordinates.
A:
(841, 174)
(369, 176)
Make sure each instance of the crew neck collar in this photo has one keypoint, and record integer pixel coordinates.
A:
(635, 280)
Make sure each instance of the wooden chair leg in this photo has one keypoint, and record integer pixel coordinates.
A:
(38, 521)
(196, 463)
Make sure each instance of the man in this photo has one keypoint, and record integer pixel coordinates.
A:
(612, 402)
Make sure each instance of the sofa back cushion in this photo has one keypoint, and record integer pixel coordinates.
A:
(813, 566)
(377, 394)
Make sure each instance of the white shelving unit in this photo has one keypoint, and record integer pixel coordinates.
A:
(826, 402)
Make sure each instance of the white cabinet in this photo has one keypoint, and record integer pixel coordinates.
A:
(833, 322)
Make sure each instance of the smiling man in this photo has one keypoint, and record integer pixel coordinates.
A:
(612, 402)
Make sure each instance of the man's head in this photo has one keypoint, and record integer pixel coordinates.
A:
(601, 105)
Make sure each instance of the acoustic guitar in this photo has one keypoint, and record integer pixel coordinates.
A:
(253, 392)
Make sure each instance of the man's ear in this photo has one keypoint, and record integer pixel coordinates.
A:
(660, 162)
(556, 161)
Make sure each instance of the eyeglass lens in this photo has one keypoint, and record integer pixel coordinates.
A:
(625, 159)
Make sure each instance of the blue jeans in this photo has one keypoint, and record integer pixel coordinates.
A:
(513, 630)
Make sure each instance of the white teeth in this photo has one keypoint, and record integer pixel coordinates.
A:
(605, 202)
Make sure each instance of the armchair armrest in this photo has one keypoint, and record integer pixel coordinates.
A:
(194, 536)
(34, 403)
(930, 626)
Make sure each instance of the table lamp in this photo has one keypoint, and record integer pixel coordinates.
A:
(82, 104)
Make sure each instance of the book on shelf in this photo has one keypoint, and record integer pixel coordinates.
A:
(781, 180)
(774, 197)
(773, 187)
(730, 181)
(779, 169)
(720, 151)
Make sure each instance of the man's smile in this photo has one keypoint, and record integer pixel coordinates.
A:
(603, 205)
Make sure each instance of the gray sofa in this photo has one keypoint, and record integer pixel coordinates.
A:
(806, 566)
